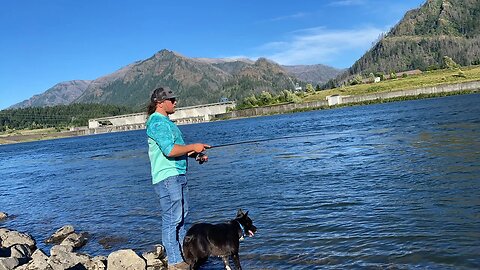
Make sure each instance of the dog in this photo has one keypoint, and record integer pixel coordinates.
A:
(203, 240)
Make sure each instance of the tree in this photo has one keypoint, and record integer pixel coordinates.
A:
(288, 96)
(265, 98)
(309, 88)
(449, 63)
(250, 101)
(356, 80)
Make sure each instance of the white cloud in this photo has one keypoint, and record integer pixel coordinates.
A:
(319, 45)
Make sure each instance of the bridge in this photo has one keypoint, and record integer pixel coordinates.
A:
(183, 115)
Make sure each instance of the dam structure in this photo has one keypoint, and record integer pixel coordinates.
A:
(134, 121)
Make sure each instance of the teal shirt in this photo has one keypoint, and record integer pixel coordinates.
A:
(162, 135)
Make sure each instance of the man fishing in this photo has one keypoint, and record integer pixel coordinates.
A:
(168, 158)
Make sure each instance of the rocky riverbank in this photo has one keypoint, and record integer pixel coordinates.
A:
(18, 251)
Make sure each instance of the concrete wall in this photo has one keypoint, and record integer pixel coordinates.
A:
(119, 120)
(107, 129)
(413, 92)
(284, 108)
(184, 115)
(202, 113)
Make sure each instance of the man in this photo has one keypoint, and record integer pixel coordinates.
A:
(168, 158)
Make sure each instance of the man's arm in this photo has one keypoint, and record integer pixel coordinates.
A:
(181, 150)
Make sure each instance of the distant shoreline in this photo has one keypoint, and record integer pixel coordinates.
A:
(49, 134)
(41, 136)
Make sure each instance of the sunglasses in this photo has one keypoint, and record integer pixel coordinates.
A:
(172, 100)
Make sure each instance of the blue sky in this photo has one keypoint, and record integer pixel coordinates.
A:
(46, 42)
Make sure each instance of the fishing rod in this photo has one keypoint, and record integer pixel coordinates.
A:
(267, 139)
(200, 156)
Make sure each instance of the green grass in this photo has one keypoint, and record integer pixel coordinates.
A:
(426, 79)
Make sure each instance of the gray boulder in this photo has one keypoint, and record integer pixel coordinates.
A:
(8, 263)
(3, 216)
(156, 259)
(98, 263)
(75, 240)
(62, 259)
(59, 250)
(125, 259)
(3, 232)
(20, 251)
(60, 234)
(39, 261)
(11, 238)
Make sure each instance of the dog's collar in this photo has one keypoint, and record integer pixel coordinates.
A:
(243, 230)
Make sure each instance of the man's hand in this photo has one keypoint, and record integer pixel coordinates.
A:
(200, 147)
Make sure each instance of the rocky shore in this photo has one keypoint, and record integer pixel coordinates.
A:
(18, 251)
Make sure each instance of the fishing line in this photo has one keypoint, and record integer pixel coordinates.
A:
(267, 140)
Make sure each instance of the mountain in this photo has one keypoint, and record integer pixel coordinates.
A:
(194, 80)
(263, 75)
(314, 74)
(60, 94)
(423, 37)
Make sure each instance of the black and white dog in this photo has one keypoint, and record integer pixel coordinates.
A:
(223, 240)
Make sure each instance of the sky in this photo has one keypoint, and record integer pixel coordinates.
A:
(44, 42)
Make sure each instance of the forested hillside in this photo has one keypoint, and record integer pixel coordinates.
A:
(423, 37)
(56, 116)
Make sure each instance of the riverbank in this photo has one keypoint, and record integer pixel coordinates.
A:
(18, 251)
(20, 136)
(348, 101)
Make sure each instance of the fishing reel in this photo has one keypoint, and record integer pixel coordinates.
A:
(201, 158)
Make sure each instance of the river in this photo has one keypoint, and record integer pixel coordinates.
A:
(392, 186)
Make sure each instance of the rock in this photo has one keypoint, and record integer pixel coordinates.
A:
(39, 261)
(154, 259)
(59, 249)
(60, 234)
(11, 238)
(3, 216)
(75, 240)
(125, 259)
(3, 232)
(68, 260)
(20, 251)
(24, 267)
(8, 263)
(98, 263)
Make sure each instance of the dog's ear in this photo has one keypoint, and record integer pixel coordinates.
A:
(240, 213)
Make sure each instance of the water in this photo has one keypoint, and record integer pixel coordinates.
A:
(392, 186)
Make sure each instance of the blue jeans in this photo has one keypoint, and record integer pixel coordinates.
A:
(173, 193)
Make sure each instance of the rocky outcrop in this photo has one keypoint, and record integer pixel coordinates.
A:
(60, 234)
(125, 259)
(18, 251)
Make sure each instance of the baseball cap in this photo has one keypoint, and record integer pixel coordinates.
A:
(161, 94)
